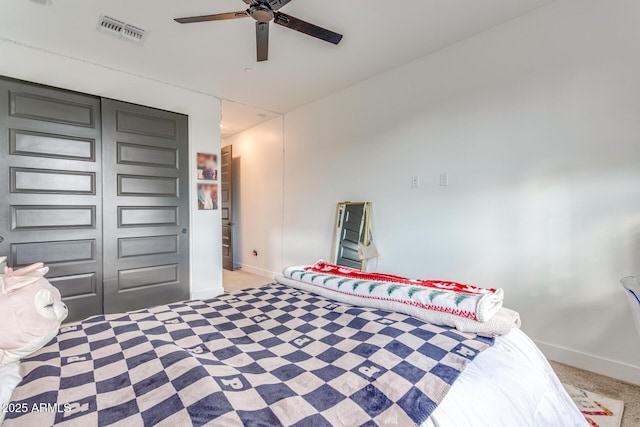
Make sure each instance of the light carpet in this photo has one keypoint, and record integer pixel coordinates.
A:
(599, 411)
(238, 279)
(605, 386)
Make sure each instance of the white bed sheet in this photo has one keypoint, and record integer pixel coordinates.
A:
(510, 384)
(9, 379)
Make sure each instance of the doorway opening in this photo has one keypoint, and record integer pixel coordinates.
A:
(251, 195)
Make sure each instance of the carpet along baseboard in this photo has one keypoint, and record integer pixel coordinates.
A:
(589, 362)
(257, 271)
(206, 294)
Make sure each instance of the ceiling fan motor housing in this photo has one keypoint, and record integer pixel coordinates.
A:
(261, 13)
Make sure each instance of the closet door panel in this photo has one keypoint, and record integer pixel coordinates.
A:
(146, 206)
(50, 161)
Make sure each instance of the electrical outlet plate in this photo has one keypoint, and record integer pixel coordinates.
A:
(415, 181)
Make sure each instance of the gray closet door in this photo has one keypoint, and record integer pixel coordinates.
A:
(50, 193)
(146, 206)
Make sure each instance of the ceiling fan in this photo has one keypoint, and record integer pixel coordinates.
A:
(265, 11)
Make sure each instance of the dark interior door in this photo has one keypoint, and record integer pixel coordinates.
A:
(227, 216)
(50, 192)
(146, 206)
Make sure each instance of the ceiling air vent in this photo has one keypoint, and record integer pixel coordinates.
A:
(121, 30)
(133, 33)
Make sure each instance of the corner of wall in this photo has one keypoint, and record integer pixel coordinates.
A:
(257, 271)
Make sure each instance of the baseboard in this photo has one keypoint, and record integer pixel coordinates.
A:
(258, 271)
(206, 294)
(589, 362)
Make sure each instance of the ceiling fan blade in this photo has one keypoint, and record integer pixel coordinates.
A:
(277, 4)
(216, 17)
(262, 41)
(306, 28)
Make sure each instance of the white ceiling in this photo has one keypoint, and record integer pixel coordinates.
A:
(212, 57)
(237, 117)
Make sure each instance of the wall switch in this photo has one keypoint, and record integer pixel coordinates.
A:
(415, 181)
(444, 179)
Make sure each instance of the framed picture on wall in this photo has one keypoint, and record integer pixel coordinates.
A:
(207, 166)
(207, 197)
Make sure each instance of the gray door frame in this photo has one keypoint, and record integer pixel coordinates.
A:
(226, 197)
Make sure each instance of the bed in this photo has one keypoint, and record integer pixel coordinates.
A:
(278, 355)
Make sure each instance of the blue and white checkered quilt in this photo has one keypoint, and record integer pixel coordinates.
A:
(271, 356)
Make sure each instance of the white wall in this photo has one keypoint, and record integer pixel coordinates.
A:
(257, 176)
(22, 62)
(537, 123)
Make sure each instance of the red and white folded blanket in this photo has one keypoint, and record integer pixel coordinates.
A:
(468, 308)
(337, 270)
(459, 299)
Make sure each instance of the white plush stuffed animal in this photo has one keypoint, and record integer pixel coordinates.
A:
(31, 311)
